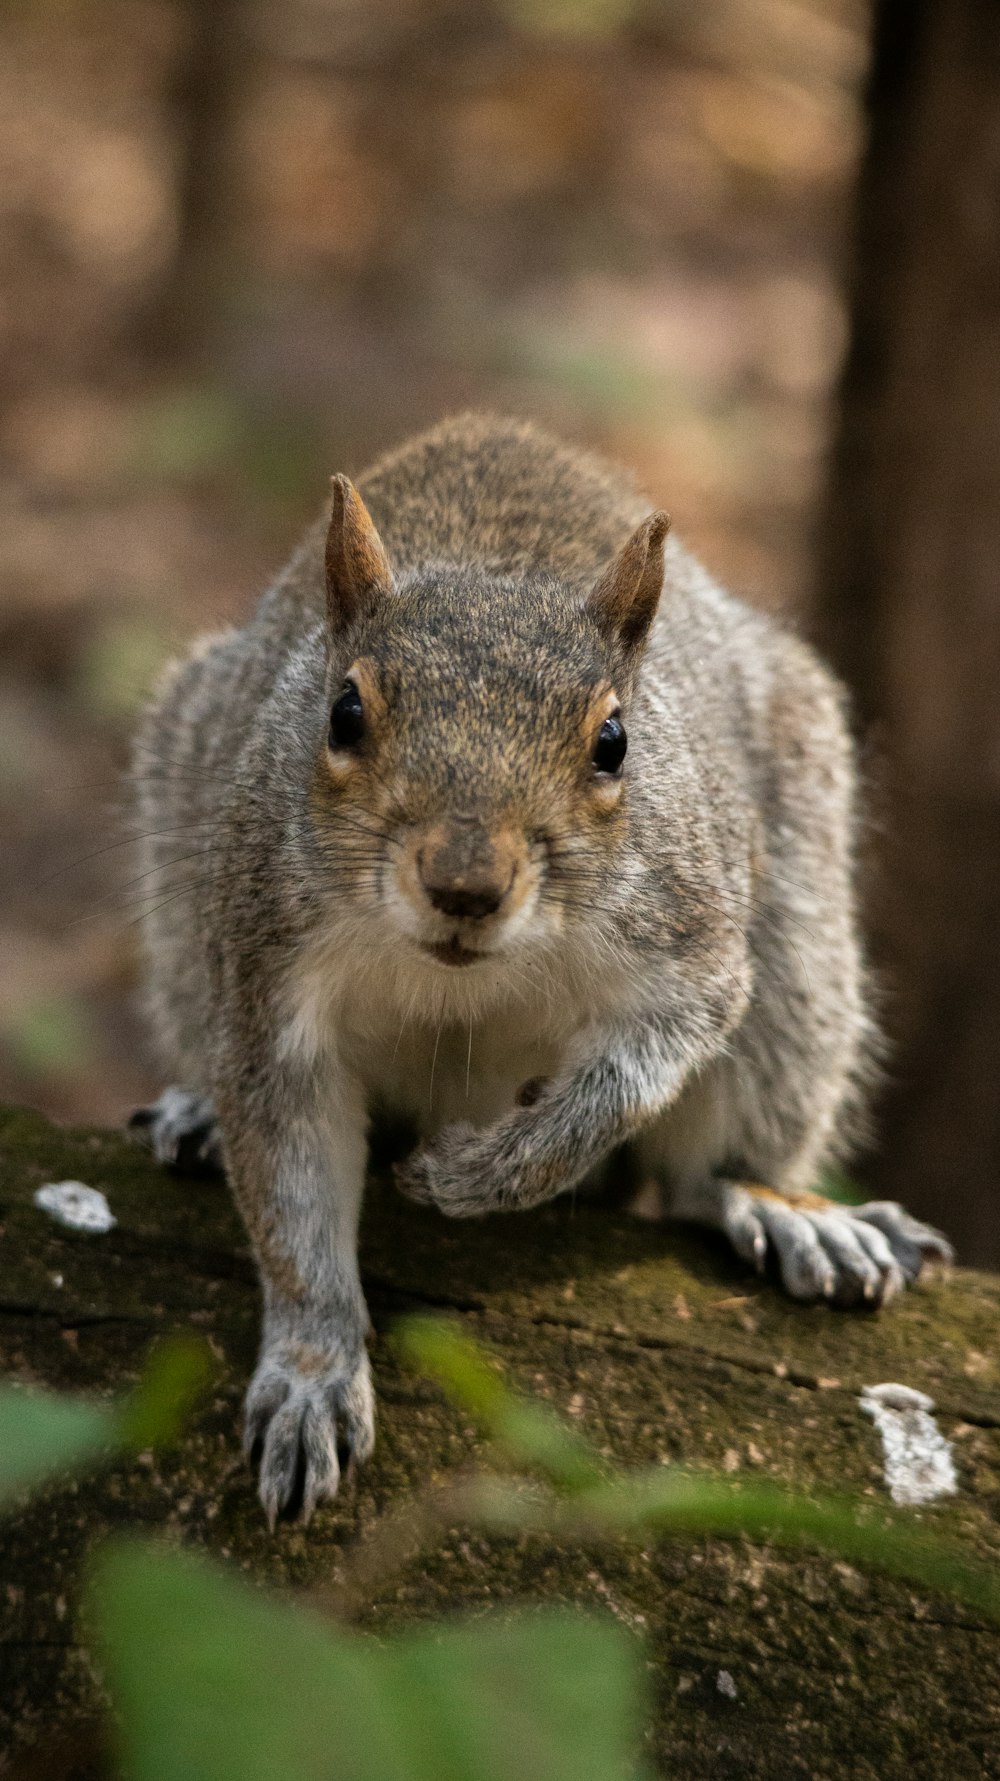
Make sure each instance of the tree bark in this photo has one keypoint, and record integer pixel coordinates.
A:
(909, 607)
(661, 1345)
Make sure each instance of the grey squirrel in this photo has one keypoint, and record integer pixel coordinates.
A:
(507, 817)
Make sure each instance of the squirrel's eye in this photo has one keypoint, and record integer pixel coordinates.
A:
(609, 749)
(347, 719)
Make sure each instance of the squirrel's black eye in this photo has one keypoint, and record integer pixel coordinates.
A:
(347, 719)
(609, 749)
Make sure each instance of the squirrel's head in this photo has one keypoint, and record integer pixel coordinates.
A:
(473, 785)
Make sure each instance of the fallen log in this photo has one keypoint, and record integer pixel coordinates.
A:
(766, 1663)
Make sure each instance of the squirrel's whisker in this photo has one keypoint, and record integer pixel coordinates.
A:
(102, 901)
(126, 841)
(144, 914)
(434, 1059)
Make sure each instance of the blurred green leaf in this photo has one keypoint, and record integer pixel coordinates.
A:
(188, 431)
(530, 1433)
(176, 1374)
(700, 1503)
(43, 1436)
(667, 1500)
(248, 1689)
(196, 432)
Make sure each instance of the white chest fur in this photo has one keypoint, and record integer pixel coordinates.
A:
(445, 1073)
(435, 1044)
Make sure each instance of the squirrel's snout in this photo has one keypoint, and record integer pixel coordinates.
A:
(467, 889)
(464, 886)
(464, 901)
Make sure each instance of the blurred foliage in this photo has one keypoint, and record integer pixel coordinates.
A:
(838, 1186)
(668, 1499)
(190, 432)
(215, 1683)
(572, 19)
(44, 1435)
(526, 1430)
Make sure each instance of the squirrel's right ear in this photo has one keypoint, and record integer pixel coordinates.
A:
(623, 604)
(357, 567)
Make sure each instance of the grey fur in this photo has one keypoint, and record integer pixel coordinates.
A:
(674, 957)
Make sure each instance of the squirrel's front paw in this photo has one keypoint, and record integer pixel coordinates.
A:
(850, 1255)
(303, 1403)
(451, 1174)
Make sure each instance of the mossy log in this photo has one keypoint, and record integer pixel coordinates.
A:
(661, 1346)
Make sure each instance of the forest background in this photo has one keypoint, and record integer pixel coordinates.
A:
(749, 247)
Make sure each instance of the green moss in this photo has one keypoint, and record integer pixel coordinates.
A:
(663, 1348)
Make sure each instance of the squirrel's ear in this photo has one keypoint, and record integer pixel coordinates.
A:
(623, 604)
(356, 564)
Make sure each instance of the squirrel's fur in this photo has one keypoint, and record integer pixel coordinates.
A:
(456, 902)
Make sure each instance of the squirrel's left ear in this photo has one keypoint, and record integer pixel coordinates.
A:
(357, 567)
(623, 604)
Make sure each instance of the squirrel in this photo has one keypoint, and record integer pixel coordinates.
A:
(507, 817)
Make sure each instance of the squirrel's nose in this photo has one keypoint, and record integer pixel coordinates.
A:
(464, 899)
(470, 894)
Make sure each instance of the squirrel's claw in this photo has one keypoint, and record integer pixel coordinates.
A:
(182, 1132)
(851, 1255)
(297, 1425)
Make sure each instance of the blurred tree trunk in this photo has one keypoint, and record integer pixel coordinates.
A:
(910, 589)
(210, 74)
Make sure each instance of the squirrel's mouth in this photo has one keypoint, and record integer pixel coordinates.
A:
(452, 952)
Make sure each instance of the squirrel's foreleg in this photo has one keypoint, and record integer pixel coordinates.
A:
(542, 1149)
(297, 1152)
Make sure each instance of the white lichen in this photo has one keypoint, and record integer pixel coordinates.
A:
(918, 1460)
(74, 1204)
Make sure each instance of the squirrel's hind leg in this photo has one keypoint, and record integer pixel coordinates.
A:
(849, 1255)
(820, 1248)
(181, 1130)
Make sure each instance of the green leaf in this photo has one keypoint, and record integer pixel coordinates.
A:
(43, 1436)
(892, 1542)
(175, 1375)
(666, 1500)
(530, 1433)
(244, 1688)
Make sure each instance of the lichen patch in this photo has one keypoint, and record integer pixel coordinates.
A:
(919, 1466)
(77, 1206)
